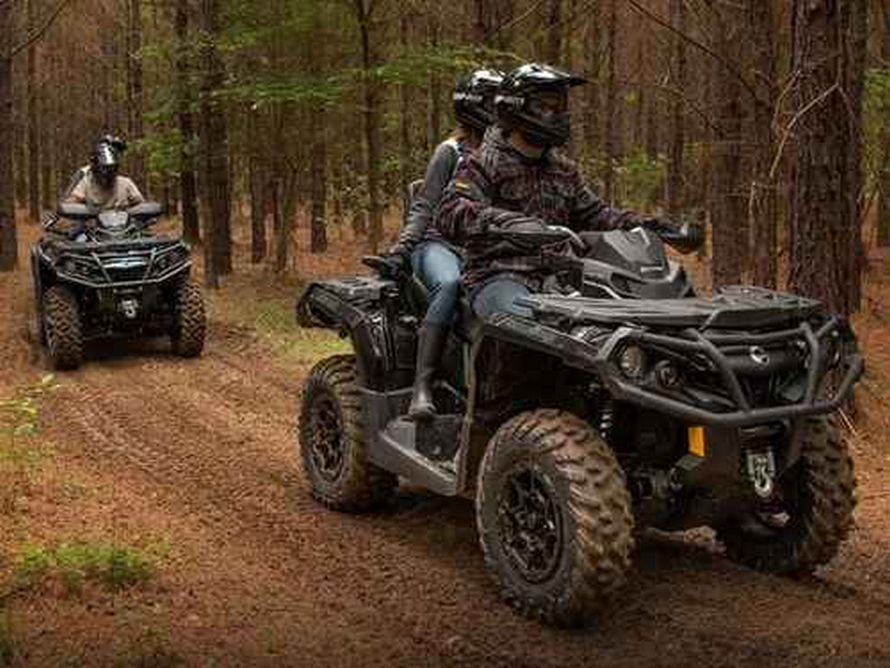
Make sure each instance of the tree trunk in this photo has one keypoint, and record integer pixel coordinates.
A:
(884, 175)
(8, 240)
(435, 92)
(612, 129)
(675, 177)
(32, 120)
(729, 212)
(319, 185)
(593, 51)
(134, 61)
(405, 176)
(825, 223)
(258, 191)
(554, 32)
(763, 211)
(372, 129)
(191, 228)
(214, 153)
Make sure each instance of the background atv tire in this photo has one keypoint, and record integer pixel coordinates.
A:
(589, 508)
(190, 324)
(333, 440)
(62, 327)
(823, 485)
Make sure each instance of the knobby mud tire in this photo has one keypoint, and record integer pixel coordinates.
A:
(62, 327)
(358, 485)
(594, 509)
(826, 484)
(190, 325)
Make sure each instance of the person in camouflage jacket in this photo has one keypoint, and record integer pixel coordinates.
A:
(519, 180)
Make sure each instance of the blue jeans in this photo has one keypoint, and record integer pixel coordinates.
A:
(439, 269)
(499, 296)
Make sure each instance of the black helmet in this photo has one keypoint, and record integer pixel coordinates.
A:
(474, 98)
(105, 160)
(533, 100)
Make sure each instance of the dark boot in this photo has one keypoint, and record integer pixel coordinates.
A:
(430, 345)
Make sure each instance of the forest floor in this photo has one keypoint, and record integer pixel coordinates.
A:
(186, 473)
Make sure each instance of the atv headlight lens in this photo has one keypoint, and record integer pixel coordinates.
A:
(632, 362)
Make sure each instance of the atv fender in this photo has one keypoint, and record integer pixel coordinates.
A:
(353, 307)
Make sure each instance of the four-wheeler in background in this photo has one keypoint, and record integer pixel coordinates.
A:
(104, 274)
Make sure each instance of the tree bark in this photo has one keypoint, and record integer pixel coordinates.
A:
(405, 166)
(371, 126)
(763, 209)
(214, 153)
(319, 186)
(612, 128)
(258, 191)
(825, 260)
(8, 238)
(191, 228)
(883, 224)
(729, 212)
(592, 52)
(554, 32)
(675, 178)
(135, 77)
(32, 120)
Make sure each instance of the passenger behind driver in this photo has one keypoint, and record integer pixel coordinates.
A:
(434, 261)
(99, 185)
(517, 180)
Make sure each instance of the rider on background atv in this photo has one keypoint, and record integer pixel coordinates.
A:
(436, 262)
(99, 185)
(517, 180)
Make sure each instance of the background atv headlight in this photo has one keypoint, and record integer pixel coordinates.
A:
(632, 362)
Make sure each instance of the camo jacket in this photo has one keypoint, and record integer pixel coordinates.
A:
(495, 183)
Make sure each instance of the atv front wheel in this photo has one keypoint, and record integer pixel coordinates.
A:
(554, 516)
(333, 440)
(61, 324)
(812, 515)
(190, 324)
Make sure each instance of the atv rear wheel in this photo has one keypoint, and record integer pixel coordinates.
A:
(813, 514)
(62, 327)
(333, 440)
(190, 321)
(554, 516)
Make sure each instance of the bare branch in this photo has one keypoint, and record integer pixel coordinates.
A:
(812, 104)
(702, 47)
(37, 34)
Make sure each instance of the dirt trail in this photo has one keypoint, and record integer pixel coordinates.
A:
(202, 453)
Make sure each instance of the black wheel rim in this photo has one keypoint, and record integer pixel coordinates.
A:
(326, 446)
(529, 523)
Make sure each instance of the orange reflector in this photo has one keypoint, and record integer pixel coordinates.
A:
(697, 445)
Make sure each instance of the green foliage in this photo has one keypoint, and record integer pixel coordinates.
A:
(20, 453)
(638, 179)
(73, 564)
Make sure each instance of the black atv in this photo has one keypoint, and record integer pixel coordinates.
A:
(103, 274)
(648, 407)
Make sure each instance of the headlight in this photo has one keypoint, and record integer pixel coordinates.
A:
(632, 362)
